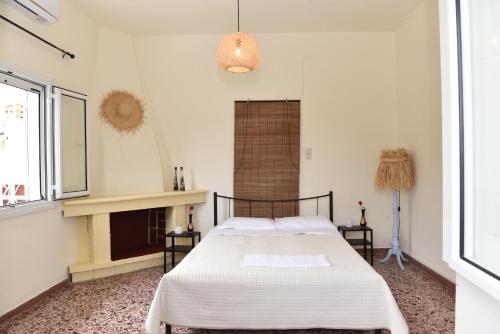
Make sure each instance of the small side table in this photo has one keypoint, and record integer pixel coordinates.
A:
(359, 242)
(173, 248)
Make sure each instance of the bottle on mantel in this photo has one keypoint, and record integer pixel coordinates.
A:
(182, 187)
(176, 184)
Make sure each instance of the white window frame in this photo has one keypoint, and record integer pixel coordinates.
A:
(45, 203)
(452, 153)
(50, 185)
(58, 154)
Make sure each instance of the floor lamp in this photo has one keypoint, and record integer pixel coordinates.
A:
(395, 172)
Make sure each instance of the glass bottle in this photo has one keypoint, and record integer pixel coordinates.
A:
(176, 184)
(182, 187)
(363, 219)
(190, 226)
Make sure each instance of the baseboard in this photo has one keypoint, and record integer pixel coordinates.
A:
(33, 300)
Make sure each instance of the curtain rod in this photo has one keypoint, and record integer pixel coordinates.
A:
(64, 52)
(257, 101)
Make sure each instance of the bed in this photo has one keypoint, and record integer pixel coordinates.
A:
(211, 288)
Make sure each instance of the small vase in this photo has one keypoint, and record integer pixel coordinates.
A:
(190, 226)
(362, 222)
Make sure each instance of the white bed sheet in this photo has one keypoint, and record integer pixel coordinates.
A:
(211, 289)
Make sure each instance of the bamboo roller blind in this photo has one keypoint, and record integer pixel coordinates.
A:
(266, 157)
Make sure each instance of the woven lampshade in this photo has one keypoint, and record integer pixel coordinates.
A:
(395, 170)
(238, 52)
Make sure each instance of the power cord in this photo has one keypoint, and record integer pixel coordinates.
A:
(399, 210)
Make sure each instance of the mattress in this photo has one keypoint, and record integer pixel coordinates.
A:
(211, 289)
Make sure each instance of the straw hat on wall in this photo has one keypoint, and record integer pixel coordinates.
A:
(123, 111)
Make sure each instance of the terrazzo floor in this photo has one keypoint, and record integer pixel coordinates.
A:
(120, 304)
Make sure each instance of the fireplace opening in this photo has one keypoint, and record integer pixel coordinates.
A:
(137, 232)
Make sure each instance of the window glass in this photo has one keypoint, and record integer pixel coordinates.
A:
(20, 172)
(480, 54)
(73, 150)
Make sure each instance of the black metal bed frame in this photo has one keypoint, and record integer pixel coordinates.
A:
(250, 201)
(168, 328)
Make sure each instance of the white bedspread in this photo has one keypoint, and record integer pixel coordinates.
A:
(211, 289)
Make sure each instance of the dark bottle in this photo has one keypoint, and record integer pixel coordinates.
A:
(182, 187)
(363, 218)
(190, 226)
(176, 184)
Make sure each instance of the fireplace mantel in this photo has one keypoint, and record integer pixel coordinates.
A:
(94, 238)
(98, 205)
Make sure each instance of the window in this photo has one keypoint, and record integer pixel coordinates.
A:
(22, 174)
(70, 144)
(266, 157)
(43, 142)
(479, 79)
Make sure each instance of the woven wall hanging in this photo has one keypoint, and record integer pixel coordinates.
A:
(123, 111)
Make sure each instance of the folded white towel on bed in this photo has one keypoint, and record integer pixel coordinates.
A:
(263, 260)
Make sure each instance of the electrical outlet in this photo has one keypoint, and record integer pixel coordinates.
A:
(309, 153)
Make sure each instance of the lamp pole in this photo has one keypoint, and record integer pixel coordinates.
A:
(395, 249)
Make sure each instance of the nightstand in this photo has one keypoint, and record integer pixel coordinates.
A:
(359, 242)
(173, 248)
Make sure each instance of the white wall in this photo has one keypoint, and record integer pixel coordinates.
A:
(419, 130)
(346, 82)
(36, 249)
(476, 311)
(130, 161)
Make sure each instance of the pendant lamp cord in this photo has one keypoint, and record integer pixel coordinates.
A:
(238, 15)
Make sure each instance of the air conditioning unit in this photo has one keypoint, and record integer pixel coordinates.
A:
(45, 11)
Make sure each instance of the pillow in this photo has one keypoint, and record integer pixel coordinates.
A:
(246, 223)
(301, 222)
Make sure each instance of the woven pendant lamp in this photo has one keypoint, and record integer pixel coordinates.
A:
(396, 173)
(238, 52)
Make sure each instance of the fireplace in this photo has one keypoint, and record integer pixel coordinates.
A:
(137, 232)
(119, 234)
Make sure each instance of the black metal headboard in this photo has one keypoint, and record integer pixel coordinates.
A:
(250, 201)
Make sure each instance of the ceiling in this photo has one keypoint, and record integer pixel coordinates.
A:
(159, 17)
